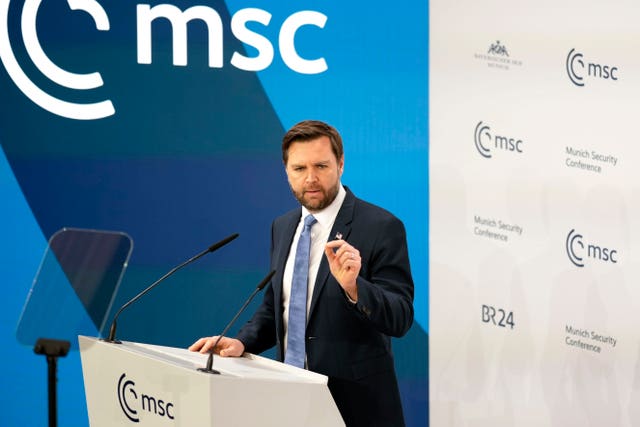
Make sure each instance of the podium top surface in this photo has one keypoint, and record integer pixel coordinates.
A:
(247, 366)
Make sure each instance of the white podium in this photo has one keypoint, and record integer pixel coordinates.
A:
(132, 384)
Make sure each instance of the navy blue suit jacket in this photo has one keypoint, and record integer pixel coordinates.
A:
(348, 343)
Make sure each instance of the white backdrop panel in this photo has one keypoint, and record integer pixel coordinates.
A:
(534, 183)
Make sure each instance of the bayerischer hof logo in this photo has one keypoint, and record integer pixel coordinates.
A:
(497, 55)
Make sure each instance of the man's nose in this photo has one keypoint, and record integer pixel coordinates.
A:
(311, 176)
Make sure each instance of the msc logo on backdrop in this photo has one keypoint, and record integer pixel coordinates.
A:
(131, 403)
(486, 143)
(577, 250)
(578, 69)
(145, 15)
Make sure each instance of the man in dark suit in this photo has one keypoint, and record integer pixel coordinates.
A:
(359, 286)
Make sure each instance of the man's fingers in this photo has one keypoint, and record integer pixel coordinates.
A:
(339, 248)
(204, 345)
(335, 243)
(229, 352)
(207, 346)
(232, 348)
(198, 344)
(328, 251)
(348, 256)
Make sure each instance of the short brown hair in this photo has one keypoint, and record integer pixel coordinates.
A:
(308, 130)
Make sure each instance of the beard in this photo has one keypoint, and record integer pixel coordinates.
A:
(317, 204)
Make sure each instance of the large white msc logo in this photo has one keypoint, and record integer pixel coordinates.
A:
(48, 68)
(145, 15)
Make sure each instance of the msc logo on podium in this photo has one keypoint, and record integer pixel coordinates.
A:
(133, 402)
(577, 250)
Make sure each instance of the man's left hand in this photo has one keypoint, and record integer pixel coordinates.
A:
(344, 262)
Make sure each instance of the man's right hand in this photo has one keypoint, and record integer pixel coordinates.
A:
(227, 347)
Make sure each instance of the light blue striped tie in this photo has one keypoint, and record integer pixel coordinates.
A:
(298, 301)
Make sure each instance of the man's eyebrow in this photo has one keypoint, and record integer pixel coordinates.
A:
(319, 162)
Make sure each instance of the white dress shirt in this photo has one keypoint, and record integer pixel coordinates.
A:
(319, 237)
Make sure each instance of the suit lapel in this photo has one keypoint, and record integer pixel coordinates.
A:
(341, 225)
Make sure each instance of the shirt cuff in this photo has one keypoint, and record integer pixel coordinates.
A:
(349, 298)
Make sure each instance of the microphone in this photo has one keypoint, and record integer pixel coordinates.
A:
(260, 286)
(212, 248)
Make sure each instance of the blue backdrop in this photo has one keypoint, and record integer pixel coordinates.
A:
(191, 154)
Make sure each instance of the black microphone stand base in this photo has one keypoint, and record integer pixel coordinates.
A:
(209, 371)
